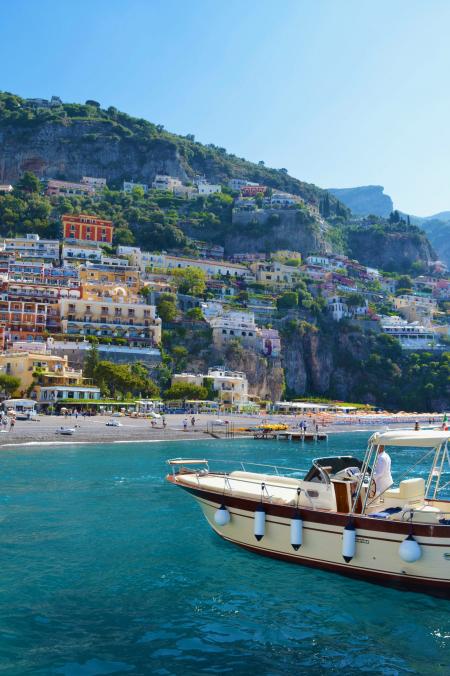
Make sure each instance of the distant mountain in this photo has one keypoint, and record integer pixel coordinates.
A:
(365, 200)
(437, 228)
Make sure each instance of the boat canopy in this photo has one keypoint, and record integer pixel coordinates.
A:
(420, 438)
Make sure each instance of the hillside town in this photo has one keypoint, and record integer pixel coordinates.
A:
(64, 299)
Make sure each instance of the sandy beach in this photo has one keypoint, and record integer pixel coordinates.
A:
(94, 429)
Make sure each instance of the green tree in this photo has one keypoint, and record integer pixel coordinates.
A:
(91, 361)
(122, 379)
(8, 384)
(29, 183)
(195, 313)
(288, 300)
(183, 391)
(191, 281)
(167, 310)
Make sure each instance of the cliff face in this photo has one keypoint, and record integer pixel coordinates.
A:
(365, 200)
(323, 364)
(265, 376)
(390, 250)
(260, 231)
(84, 148)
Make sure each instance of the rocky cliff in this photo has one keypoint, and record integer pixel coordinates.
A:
(263, 230)
(365, 200)
(390, 247)
(265, 376)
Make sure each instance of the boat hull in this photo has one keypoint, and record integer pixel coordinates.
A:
(376, 557)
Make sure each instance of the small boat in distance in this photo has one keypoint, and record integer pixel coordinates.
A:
(67, 431)
(333, 518)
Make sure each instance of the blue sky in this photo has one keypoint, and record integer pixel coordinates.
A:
(340, 92)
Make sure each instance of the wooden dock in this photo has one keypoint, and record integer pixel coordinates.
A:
(291, 436)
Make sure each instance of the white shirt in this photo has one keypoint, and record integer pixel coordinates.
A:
(382, 474)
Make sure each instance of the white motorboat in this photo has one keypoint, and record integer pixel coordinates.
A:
(333, 518)
(67, 431)
(113, 423)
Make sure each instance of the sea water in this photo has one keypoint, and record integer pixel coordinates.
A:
(107, 569)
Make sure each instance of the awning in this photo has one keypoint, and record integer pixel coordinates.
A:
(420, 438)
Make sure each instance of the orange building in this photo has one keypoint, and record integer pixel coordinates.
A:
(86, 228)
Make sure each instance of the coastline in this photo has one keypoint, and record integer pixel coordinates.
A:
(94, 430)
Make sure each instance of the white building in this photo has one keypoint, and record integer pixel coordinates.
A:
(128, 186)
(326, 262)
(284, 199)
(231, 386)
(71, 252)
(339, 308)
(5, 187)
(149, 261)
(211, 309)
(232, 325)
(238, 183)
(60, 393)
(32, 246)
(411, 336)
(95, 183)
(205, 188)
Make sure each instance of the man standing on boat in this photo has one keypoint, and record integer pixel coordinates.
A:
(382, 472)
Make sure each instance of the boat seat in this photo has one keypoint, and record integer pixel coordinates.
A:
(407, 489)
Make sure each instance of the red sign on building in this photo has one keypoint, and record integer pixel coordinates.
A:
(86, 228)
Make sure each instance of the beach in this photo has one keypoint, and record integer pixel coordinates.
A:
(94, 429)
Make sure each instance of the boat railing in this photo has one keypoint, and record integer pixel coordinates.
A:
(243, 465)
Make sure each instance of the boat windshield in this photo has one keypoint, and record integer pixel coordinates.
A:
(332, 466)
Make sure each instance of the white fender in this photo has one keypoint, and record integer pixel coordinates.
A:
(260, 522)
(222, 516)
(410, 550)
(296, 532)
(349, 542)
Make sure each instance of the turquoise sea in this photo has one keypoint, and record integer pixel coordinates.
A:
(107, 569)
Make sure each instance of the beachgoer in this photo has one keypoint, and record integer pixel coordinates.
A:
(11, 424)
(164, 422)
(193, 421)
(185, 423)
(416, 426)
(382, 472)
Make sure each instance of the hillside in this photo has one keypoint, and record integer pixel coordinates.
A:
(365, 200)
(72, 140)
(68, 141)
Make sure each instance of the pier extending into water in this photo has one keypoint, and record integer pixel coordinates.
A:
(287, 435)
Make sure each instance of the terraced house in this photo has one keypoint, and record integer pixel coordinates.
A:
(117, 314)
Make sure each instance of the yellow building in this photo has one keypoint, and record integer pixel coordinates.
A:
(275, 273)
(104, 279)
(36, 370)
(115, 313)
